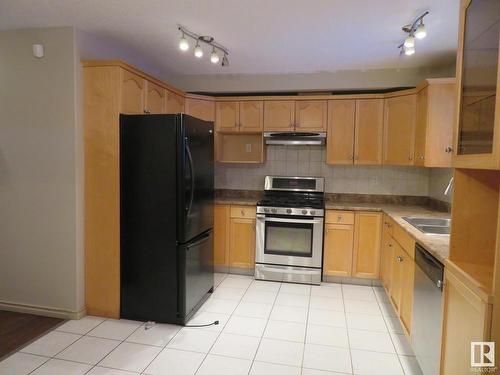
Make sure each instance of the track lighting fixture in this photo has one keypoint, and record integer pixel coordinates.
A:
(414, 30)
(198, 51)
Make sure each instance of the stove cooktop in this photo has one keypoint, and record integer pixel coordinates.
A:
(292, 200)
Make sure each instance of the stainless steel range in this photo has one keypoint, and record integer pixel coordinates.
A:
(289, 243)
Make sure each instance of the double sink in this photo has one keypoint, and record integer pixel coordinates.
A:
(430, 225)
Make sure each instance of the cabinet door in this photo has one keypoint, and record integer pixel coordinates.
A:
(340, 138)
(221, 235)
(199, 108)
(155, 99)
(251, 116)
(242, 243)
(311, 115)
(386, 260)
(227, 116)
(399, 130)
(408, 274)
(132, 93)
(338, 250)
(397, 276)
(369, 131)
(174, 103)
(367, 233)
(421, 127)
(279, 115)
(466, 318)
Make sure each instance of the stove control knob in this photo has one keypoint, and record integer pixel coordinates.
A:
(304, 212)
(312, 212)
(288, 210)
(266, 209)
(274, 210)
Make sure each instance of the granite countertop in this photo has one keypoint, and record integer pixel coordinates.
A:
(394, 206)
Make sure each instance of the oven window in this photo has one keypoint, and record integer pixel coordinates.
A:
(291, 239)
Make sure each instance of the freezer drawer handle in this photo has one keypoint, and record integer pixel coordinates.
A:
(190, 158)
(200, 241)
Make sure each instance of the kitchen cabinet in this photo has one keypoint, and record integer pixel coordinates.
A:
(203, 109)
(367, 238)
(235, 116)
(477, 126)
(466, 319)
(397, 275)
(408, 275)
(154, 102)
(352, 244)
(436, 107)
(240, 148)
(340, 135)
(279, 115)
(242, 237)
(310, 115)
(174, 103)
(355, 131)
(399, 130)
(386, 255)
(221, 237)
(338, 246)
(132, 93)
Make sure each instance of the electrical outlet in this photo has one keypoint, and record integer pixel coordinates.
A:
(248, 147)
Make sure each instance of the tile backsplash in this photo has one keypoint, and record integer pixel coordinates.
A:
(310, 161)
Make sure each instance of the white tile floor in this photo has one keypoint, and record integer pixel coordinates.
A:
(265, 328)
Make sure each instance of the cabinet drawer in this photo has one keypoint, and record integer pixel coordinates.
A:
(339, 217)
(405, 240)
(243, 212)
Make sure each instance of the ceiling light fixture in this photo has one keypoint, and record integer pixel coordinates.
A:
(198, 51)
(416, 29)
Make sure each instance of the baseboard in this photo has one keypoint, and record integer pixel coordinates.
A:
(41, 310)
(351, 280)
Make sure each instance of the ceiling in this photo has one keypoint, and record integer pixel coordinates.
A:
(263, 36)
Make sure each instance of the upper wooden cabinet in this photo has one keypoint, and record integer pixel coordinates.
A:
(369, 131)
(436, 106)
(355, 131)
(366, 257)
(244, 116)
(200, 108)
(477, 125)
(399, 130)
(279, 115)
(340, 139)
(132, 93)
(310, 115)
(154, 102)
(174, 103)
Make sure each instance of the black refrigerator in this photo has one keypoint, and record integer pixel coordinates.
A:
(166, 216)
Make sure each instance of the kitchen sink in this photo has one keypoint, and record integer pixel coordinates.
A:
(430, 225)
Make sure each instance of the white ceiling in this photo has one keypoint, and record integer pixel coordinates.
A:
(263, 36)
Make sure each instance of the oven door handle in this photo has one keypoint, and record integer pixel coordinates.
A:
(282, 220)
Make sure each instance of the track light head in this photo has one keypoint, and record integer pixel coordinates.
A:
(225, 60)
(183, 43)
(214, 57)
(421, 32)
(409, 41)
(409, 51)
(198, 52)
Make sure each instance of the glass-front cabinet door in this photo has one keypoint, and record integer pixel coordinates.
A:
(478, 132)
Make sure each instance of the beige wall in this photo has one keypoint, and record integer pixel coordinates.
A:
(41, 215)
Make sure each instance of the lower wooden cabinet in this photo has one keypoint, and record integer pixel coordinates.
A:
(234, 236)
(466, 318)
(352, 244)
(386, 260)
(366, 255)
(338, 246)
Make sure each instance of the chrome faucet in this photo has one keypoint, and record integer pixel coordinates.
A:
(449, 188)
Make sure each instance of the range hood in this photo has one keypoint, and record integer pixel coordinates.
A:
(294, 138)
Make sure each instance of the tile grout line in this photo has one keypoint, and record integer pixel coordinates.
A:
(347, 331)
(265, 327)
(220, 333)
(305, 333)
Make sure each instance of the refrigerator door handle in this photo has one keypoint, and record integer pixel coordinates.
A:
(190, 159)
(201, 240)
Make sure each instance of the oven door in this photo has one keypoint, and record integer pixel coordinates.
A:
(289, 241)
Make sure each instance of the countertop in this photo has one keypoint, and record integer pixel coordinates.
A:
(437, 245)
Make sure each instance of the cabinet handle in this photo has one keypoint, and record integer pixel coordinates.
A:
(448, 149)
(410, 158)
(351, 157)
(339, 218)
(390, 245)
(422, 157)
(399, 258)
(147, 111)
(242, 213)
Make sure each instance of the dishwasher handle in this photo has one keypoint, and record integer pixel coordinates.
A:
(432, 267)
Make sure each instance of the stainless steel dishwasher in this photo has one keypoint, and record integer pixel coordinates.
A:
(427, 310)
